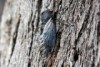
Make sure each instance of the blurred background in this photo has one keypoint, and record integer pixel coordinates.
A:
(2, 2)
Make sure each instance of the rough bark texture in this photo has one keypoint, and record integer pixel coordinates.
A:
(77, 24)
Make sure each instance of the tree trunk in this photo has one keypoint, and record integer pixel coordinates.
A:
(77, 24)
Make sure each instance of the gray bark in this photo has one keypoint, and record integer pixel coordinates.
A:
(77, 25)
(1, 7)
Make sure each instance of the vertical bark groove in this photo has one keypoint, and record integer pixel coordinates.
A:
(15, 37)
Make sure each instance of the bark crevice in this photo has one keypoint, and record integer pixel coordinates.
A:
(15, 37)
(86, 22)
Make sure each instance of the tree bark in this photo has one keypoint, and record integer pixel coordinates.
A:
(77, 24)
